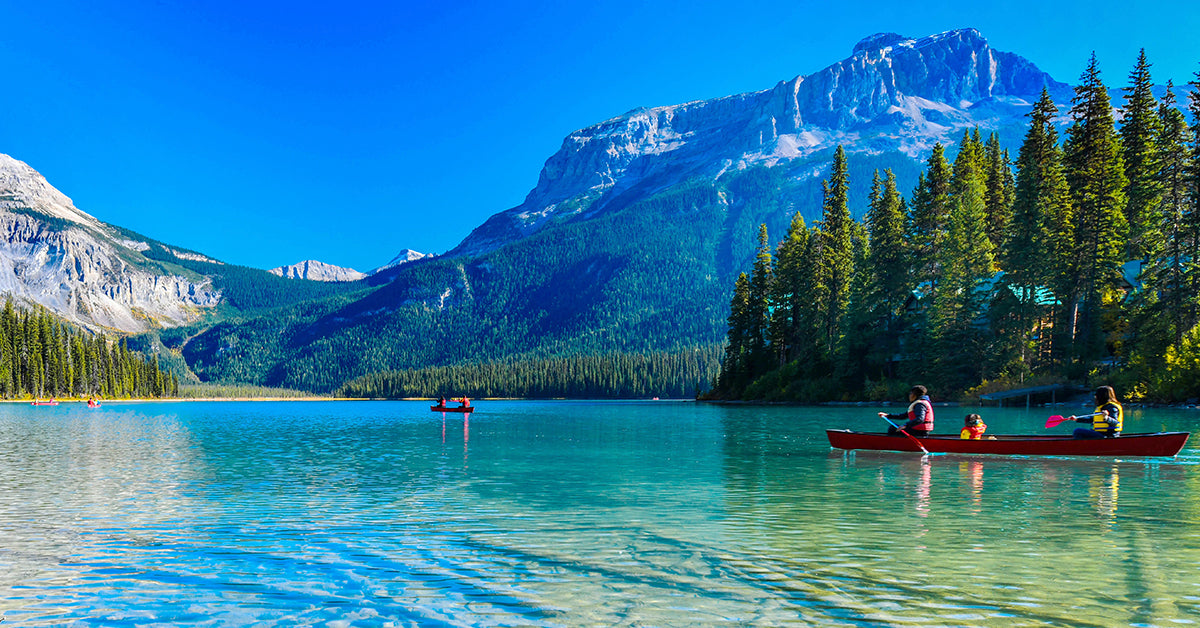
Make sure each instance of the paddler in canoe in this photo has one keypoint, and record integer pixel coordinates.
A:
(918, 419)
(1108, 418)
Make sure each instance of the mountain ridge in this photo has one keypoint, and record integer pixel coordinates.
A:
(890, 95)
(82, 269)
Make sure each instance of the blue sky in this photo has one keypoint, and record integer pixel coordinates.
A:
(265, 133)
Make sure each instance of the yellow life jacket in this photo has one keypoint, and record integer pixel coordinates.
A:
(1100, 424)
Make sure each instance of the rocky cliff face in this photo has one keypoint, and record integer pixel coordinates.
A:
(53, 254)
(892, 95)
(317, 271)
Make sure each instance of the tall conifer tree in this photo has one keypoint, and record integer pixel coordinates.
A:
(1169, 277)
(735, 368)
(790, 321)
(1000, 190)
(759, 306)
(967, 262)
(930, 209)
(1140, 127)
(836, 264)
(1037, 250)
(1096, 174)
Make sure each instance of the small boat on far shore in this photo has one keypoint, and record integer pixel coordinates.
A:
(452, 408)
(39, 402)
(1153, 444)
(464, 405)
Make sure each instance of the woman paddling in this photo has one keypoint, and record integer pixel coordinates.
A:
(1108, 419)
(919, 416)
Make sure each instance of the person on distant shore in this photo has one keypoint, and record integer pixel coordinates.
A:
(973, 428)
(1109, 417)
(919, 416)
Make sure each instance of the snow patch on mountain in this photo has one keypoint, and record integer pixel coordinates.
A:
(403, 257)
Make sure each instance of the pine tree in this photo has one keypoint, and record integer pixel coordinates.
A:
(1036, 254)
(735, 368)
(1140, 128)
(836, 259)
(759, 306)
(930, 209)
(1192, 183)
(791, 322)
(889, 259)
(1000, 190)
(1166, 304)
(967, 262)
(1096, 174)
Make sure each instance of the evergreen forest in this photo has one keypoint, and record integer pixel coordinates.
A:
(41, 356)
(678, 374)
(1077, 262)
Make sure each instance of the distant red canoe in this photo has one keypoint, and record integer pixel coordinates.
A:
(1156, 444)
(44, 403)
(454, 409)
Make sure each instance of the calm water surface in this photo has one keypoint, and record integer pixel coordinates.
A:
(569, 514)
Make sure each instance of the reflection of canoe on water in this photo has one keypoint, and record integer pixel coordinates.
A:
(1156, 444)
(455, 409)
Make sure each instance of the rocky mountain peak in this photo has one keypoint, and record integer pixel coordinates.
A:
(55, 255)
(894, 94)
(403, 257)
(23, 188)
(878, 41)
(317, 271)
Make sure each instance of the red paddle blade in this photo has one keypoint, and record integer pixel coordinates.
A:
(1055, 420)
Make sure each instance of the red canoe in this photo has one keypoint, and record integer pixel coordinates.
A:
(1156, 444)
(455, 409)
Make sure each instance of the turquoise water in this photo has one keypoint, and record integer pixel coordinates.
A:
(569, 514)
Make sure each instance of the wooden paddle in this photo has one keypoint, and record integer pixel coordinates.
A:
(1058, 418)
(901, 430)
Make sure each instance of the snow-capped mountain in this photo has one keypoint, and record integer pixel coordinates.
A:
(893, 96)
(88, 272)
(403, 257)
(320, 271)
(317, 271)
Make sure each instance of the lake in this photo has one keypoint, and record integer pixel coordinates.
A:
(576, 513)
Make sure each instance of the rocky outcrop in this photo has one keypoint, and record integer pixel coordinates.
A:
(317, 271)
(53, 254)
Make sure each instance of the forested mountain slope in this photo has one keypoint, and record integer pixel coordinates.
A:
(638, 225)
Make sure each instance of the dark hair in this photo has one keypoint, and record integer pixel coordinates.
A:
(918, 390)
(1105, 394)
(974, 419)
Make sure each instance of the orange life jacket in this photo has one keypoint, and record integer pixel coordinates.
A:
(927, 425)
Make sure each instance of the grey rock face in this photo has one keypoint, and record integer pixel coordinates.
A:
(893, 94)
(317, 271)
(64, 259)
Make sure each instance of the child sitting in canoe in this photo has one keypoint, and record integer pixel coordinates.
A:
(973, 428)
